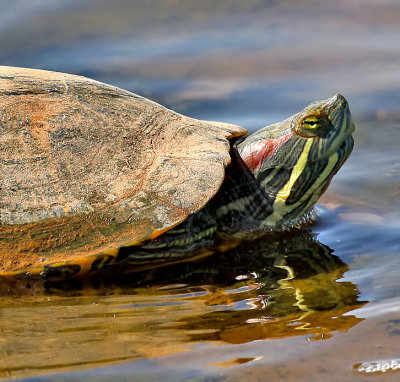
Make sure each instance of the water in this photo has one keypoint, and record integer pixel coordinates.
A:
(322, 304)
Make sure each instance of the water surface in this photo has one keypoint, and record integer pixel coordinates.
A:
(320, 304)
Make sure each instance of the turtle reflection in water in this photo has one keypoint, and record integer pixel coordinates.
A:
(290, 286)
(90, 171)
(285, 285)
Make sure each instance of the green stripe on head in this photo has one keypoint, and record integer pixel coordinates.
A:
(301, 155)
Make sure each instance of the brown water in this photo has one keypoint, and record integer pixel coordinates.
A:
(322, 304)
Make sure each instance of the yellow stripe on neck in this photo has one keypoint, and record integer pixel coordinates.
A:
(279, 205)
(297, 170)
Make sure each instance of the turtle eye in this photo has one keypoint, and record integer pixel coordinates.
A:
(311, 123)
(311, 126)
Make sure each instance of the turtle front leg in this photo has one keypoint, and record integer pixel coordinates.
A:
(193, 237)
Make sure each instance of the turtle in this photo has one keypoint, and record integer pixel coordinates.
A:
(93, 175)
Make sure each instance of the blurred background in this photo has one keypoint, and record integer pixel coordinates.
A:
(247, 62)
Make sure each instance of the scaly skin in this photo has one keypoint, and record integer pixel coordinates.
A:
(299, 157)
(272, 185)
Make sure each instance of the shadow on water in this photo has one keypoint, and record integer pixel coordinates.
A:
(279, 286)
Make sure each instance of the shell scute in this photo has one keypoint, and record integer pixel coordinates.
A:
(86, 167)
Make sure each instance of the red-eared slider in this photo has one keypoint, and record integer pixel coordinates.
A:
(89, 170)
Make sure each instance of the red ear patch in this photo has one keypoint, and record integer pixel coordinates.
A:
(255, 153)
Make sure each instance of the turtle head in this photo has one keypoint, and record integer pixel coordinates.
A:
(295, 160)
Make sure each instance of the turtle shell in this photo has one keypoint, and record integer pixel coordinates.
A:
(87, 167)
